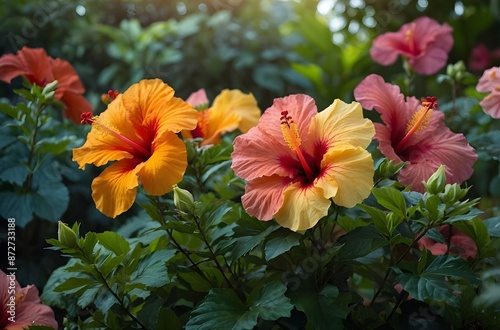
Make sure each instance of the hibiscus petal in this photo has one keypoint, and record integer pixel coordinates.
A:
(30, 310)
(75, 105)
(348, 175)
(302, 207)
(264, 196)
(442, 148)
(491, 104)
(68, 80)
(244, 106)
(384, 46)
(114, 190)
(218, 124)
(257, 154)
(374, 93)
(197, 98)
(30, 62)
(151, 107)
(300, 107)
(342, 123)
(489, 80)
(430, 62)
(166, 166)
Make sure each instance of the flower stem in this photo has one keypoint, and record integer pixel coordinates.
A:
(38, 113)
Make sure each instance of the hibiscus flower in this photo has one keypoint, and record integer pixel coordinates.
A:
(22, 305)
(415, 133)
(230, 110)
(40, 69)
(424, 43)
(490, 82)
(296, 159)
(138, 130)
(457, 243)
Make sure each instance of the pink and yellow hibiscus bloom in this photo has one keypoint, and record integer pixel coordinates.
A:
(424, 43)
(230, 110)
(296, 160)
(415, 132)
(138, 131)
(22, 305)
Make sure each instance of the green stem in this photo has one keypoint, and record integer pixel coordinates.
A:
(175, 243)
(38, 113)
(214, 257)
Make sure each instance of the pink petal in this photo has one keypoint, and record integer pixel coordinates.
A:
(264, 196)
(198, 98)
(257, 153)
(442, 148)
(489, 80)
(300, 107)
(491, 104)
(383, 50)
(374, 93)
(430, 62)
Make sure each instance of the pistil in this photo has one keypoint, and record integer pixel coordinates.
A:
(291, 136)
(87, 118)
(419, 120)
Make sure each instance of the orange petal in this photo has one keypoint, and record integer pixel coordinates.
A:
(166, 166)
(150, 106)
(114, 190)
(67, 77)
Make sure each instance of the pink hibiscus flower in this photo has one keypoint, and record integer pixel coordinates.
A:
(415, 133)
(22, 305)
(459, 243)
(296, 159)
(424, 43)
(490, 82)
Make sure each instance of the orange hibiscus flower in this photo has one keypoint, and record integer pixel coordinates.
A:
(138, 130)
(41, 69)
(230, 110)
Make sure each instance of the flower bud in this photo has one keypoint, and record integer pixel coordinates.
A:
(66, 235)
(183, 200)
(436, 182)
(50, 87)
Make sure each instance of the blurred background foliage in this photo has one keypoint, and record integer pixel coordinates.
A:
(270, 48)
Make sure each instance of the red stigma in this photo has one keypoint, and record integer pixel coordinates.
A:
(113, 94)
(285, 118)
(86, 118)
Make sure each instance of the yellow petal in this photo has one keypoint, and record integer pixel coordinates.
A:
(166, 166)
(342, 123)
(347, 175)
(243, 106)
(114, 190)
(218, 124)
(302, 207)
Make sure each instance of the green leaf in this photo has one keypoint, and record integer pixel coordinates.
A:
(379, 219)
(325, 309)
(493, 226)
(249, 233)
(51, 201)
(392, 199)
(73, 284)
(360, 242)
(114, 242)
(16, 205)
(222, 309)
(13, 171)
(151, 271)
(475, 229)
(282, 241)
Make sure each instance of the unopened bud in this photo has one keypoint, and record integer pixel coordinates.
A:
(436, 182)
(183, 199)
(50, 87)
(66, 235)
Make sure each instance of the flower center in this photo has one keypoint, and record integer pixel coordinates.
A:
(108, 129)
(419, 120)
(409, 37)
(201, 129)
(291, 136)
